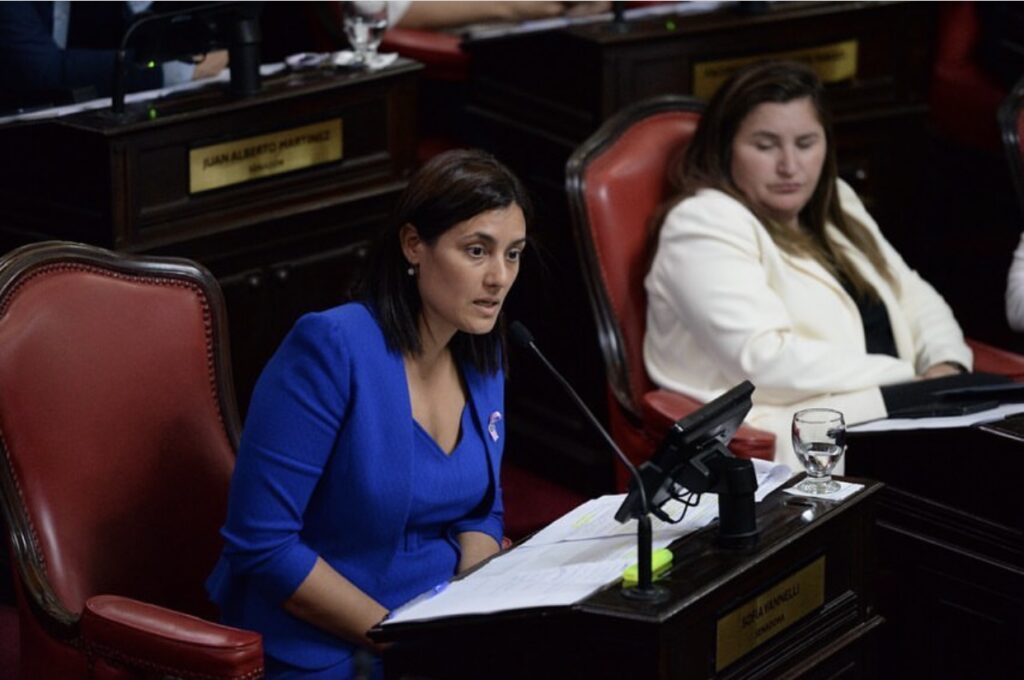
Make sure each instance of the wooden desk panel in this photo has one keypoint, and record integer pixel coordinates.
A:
(607, 636)
(951, 550)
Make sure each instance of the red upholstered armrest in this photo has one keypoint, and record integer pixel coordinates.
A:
(989, 359)
(440, 53)
(661, 408)
(138, 634)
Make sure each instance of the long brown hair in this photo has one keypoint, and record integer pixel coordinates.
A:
(708, 164)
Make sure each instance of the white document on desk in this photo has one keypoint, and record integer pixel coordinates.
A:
(224, 76)
(891, 424)
(569, 559)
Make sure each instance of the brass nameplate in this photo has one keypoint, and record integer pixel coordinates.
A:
(770, 613)
(833, 63)
(242, 160)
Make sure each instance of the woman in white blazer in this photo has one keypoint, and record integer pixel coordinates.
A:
(769, 268)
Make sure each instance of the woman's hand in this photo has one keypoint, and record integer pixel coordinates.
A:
(210, 64)
(945, 368)
(331, 602)
(476, 546)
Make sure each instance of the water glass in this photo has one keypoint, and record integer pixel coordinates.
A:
(365, 23)
(819, 441)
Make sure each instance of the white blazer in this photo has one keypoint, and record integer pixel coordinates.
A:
(1015, 289)
(725, 303)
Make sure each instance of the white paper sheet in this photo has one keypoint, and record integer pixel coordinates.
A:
(541, 576)
(892, 424)
(845, 490)
(569, 559)
(132, 97)
(770, 476)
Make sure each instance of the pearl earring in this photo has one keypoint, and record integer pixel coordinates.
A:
(411, 271)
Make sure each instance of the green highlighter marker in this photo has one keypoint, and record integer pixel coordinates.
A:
(661, 559)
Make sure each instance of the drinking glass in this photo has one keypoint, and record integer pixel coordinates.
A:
(819, 440)
(365, 23)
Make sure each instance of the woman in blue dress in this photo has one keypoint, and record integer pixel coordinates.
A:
(368, 470)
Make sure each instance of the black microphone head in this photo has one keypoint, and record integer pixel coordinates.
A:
(520, 335)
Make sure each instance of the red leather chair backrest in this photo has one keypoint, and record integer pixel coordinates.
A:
(616, 182)
(117, 425)
(440, 53)
(1011, 120)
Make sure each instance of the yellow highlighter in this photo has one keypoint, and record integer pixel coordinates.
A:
(661, 559)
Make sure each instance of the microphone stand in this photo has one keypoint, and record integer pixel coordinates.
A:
(121, 56)
(619, 24)
(645, 589)
(717, 471)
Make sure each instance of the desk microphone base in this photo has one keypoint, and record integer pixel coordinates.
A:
(654, 594)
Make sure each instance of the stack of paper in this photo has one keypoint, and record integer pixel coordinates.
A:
(891, 424)
(569, 559)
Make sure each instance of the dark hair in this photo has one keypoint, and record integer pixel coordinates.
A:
(708, 164)
(450, 188)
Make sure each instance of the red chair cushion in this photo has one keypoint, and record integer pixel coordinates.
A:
(441, 53)
(137, 634)
(989, 359)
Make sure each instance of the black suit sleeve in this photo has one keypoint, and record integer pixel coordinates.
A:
(35, 68)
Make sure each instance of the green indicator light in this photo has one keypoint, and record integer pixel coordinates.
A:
(670, 25)
(152, 114)
(151, 64)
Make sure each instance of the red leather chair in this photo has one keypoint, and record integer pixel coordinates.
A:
(440, 53)
(118, 433)
(616, 180)
(1011, 121)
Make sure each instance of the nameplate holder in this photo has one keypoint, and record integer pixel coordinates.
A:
(833, 63)
(275, 153)
(766, 615)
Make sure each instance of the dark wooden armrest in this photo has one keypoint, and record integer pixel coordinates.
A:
(441, 53)
(141, 635)
(989, 359)
(661, 408)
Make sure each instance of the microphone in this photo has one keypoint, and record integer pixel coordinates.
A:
(645, 588)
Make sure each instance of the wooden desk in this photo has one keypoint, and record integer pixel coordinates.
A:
(280, 245)
(534, 98)
(951, 550)
(607, 636)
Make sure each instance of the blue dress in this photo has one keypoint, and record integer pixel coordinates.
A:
(448, 487)
(332, 464)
